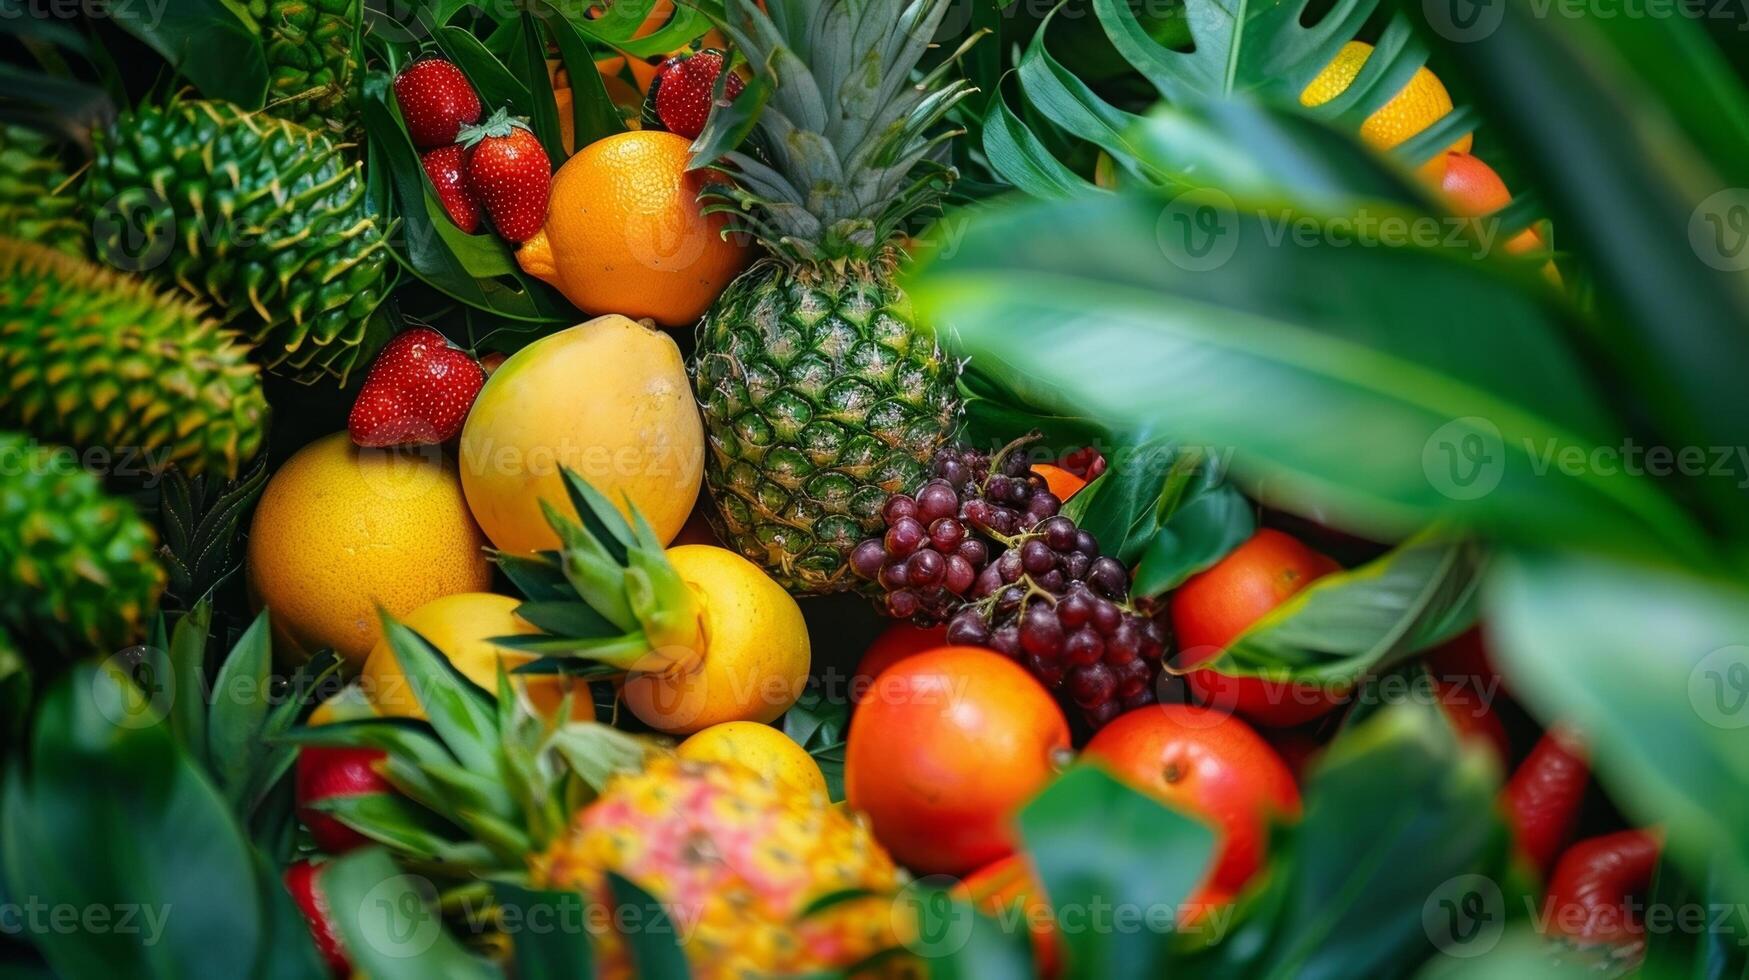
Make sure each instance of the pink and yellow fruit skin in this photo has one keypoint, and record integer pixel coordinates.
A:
(734, 858)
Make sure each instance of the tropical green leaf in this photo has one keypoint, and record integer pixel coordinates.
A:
(649, 931)
(1145, 857)
(389, 925)
(1365, 619)
(562, 952)
(208, 41)
(593, 114)
(241, 699)
(188, 715)
(1017, 155)
(1650, 664)
(1204, 526)
(464, 716)
(1224, 329)
(960, 943)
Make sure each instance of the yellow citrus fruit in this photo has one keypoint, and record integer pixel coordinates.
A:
(625, 233)
(608, 399)
(1420, 104)
(462, 627)
(761, 748)
(755, 660)
(341, 531)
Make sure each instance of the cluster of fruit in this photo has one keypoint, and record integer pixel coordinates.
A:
(982, 547)
(498, 165)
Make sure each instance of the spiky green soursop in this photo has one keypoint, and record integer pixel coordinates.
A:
(261, 217)
(76, 569)
(35, 203)
(312, 48)
(97, 358)
(821, 395)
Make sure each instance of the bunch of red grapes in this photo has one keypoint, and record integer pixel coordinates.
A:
(982, 547)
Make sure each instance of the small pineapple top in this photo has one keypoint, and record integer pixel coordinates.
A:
(847, 136)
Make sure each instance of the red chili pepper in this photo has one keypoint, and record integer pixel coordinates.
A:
(1588, 892)
(1542, 798)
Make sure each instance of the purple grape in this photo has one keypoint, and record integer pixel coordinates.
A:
(1048, 671)
(960, 575)
(1082, 647)
(946, 534)
(953, 471)
(936, 501)
(1106, 615)
(1011, 598)
(868, 557)
(977, 512)
(1101, 715)
(1140, 699)
(1086, 543)
(1041, 634)
(1075, 609)
(1037, 557)
(974, 551)
(1125, 641)
(904, 536)
(902, 604)
(969, 629)
(898, 506)
(896, 575)
(1043, 506)
(1059, 533)
(988, 581)
(1109, 577)
(1010, 566)
(1133, 678)
(1075, 563)
(1006, 640)
(927, 568)
(1092, 685)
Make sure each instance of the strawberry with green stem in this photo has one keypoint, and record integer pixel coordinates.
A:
(509, 173)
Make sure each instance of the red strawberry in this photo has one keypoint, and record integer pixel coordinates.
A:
(417, 393)
(300, 880)
(682, 91)
(324, 774)
(436, 101)
(444, 166)
(510, 174)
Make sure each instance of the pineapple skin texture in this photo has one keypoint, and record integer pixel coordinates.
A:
(734, 858)
(309, 48)
(77, 570)
(31, 172)
(261, 217)
(98, 359)
(821, 398)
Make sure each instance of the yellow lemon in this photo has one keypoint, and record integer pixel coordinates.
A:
(1418, 105)
(608, 399)
(462, 627)
(761, 748)
(341, 531)
(755, 658)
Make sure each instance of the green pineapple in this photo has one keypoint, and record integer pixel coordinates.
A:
(821, 396)
(34, 203)
(96, 358)
(261, 217)
(76, 568)
(310, 47)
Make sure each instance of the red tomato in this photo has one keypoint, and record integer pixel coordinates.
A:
(1210, 765)
(895, 643)
(1213, 607)
(325, 773)
(946, 748)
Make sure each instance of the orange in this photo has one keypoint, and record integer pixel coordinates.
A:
(341, 531)
(895, 643)
(1474, 190)
(944, 749)
(1061, 482)
(1420, 104)
(625, 233)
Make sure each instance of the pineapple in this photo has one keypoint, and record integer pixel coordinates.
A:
(96, 358)
(35, 204)
(263, 218)
(740, 856)
(76, 569)
(310, 47)
(821, 395)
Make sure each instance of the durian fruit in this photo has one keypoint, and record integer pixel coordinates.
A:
(35, 204)
(262, 217)
(76, 569)
(98, 359)
(310, 47)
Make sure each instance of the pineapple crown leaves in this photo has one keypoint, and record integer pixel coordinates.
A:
(849, 138)
(608, 595)
(197, 519)
(497, 126)
(484, 781)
